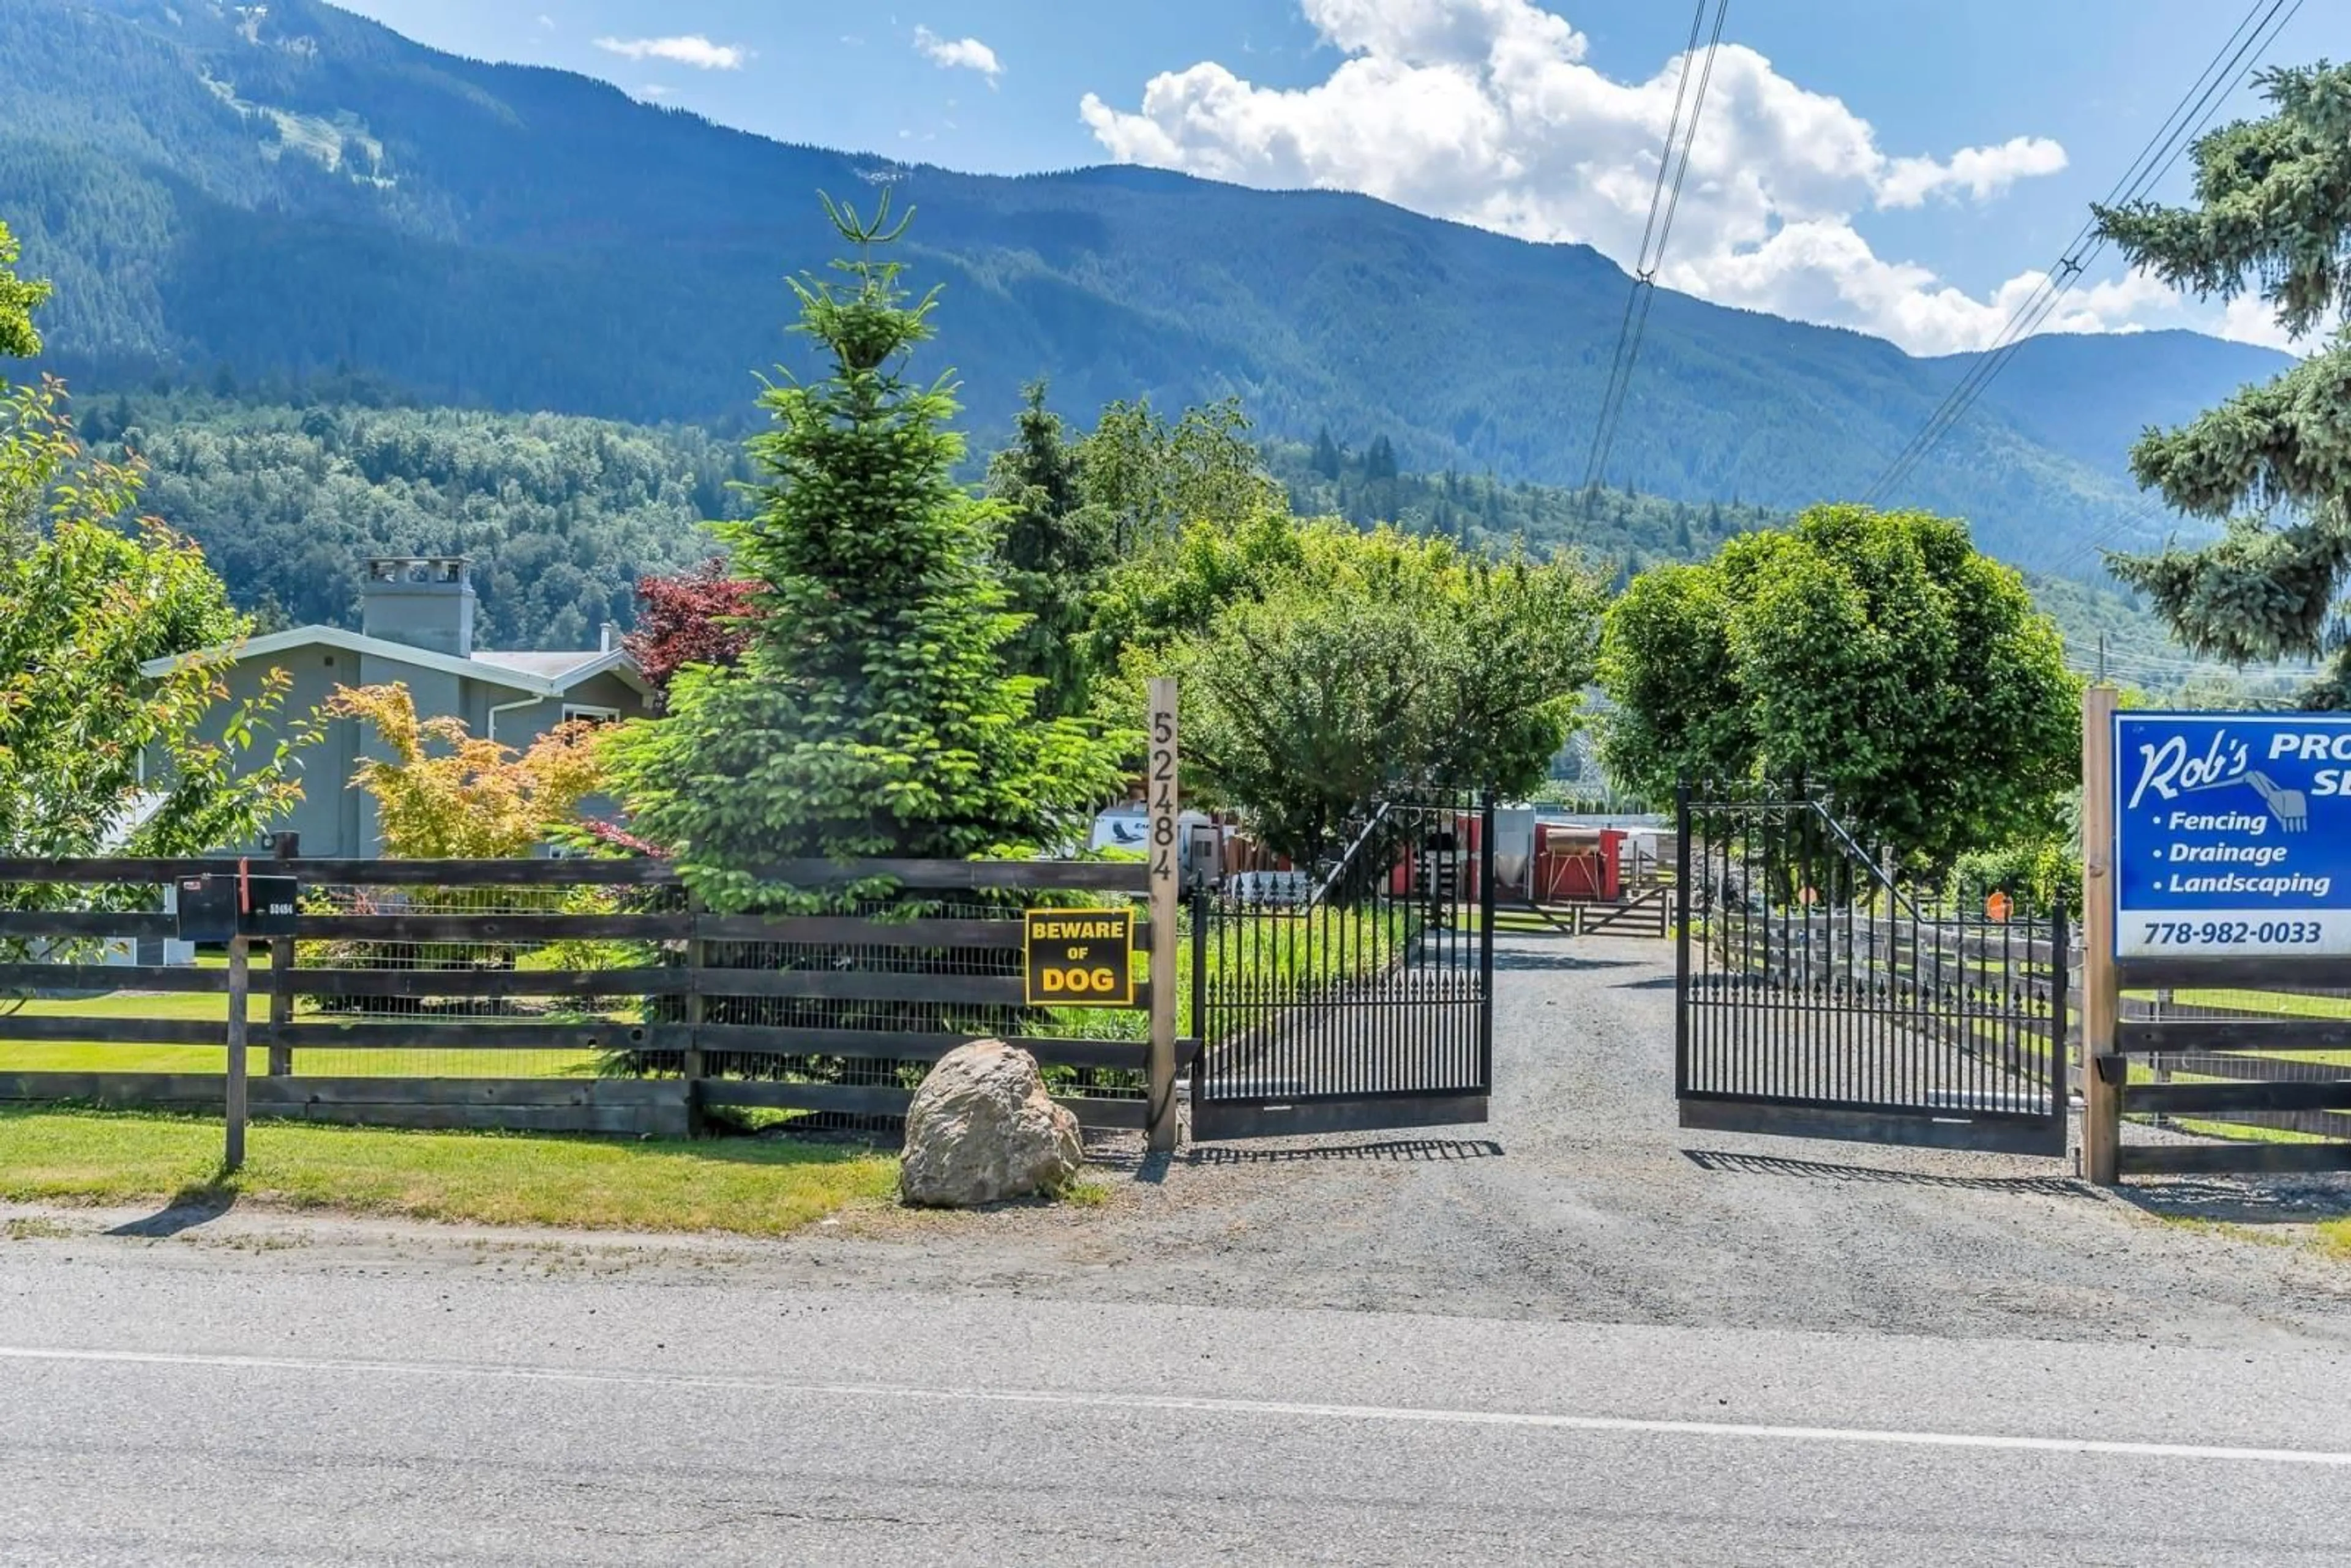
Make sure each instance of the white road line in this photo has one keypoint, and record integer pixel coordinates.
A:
(1187, 1404)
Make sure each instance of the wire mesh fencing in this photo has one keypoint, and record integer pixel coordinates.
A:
(426, 981)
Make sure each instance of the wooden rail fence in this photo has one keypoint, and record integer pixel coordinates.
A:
(826, 1013)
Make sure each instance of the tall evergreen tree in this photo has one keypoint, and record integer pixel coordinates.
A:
(872, 714)
(2273, 209)
(1052, 547)
(1326, 454)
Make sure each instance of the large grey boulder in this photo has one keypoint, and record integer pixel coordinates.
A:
(983, 1129)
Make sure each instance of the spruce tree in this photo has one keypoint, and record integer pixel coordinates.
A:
(1053, 548)
(872, 714)
(1326, 454)
(2272, 208)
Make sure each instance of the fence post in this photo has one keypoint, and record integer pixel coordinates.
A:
(2061, 1010)
(690, 1066)
(1486, 940)
(282, 959)
(2161, 1063)
(239, 992)
(2101, 1069)
(1683, 905)
(1159, 781)
(1200, 898)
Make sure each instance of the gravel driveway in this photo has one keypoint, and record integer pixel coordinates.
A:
(1583, 1200)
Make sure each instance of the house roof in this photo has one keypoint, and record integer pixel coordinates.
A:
(545, 667)
(539, 675)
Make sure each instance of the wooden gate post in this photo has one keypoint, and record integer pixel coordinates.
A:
(2101, 1069)
(1166, 883)
(697, 1010)
(281, 974)
(239, 993)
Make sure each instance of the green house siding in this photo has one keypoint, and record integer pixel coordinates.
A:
(336, 820)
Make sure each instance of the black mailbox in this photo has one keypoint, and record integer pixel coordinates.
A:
(233, 903)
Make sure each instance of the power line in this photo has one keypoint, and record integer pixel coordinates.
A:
(1664, 201)
(2187, 118)
(2252, 38)
(2155, 160)
(2130, 521)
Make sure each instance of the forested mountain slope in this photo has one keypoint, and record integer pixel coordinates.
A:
(287, 190)
(562, 513)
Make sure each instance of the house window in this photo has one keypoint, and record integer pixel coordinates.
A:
(590, 715)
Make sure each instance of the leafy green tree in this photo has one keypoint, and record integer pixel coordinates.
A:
(2272, 209)
(1874, 653)
(1176, 588)
(1155, 478)
(18, 298)
(1373, 664)
(95, 756)
(1306, 708)
(1052, 546)
(870, 714)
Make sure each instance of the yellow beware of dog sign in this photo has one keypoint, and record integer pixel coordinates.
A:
(1078, 958)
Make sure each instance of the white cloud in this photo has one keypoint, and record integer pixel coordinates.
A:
(1982, 173)
(2250, 319)
(653, 89)
(547, 21)
(958, 54)
(690, 49)
(1485, 111)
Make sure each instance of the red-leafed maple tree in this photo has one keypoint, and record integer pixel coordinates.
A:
(698, 617)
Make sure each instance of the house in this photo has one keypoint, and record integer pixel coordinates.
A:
(416, 628)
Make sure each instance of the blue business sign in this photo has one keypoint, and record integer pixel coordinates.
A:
(2233, 834)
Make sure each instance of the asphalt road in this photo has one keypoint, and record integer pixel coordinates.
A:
(168, 1402)
(1576, 1335)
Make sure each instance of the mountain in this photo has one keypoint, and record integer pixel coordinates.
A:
(293, 190)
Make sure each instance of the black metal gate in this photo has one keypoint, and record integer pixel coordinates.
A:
(1359, 996)
(1818, 995)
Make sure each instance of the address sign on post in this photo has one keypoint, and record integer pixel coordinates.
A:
(2233, 834)
(1079, 958)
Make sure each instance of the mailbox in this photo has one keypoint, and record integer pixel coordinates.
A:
(216, 907)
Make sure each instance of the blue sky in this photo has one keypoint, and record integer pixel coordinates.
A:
(1896, 166)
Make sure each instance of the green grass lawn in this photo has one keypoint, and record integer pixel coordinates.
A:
(755, 1187)
(2283, 1003)
(18, 1056)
